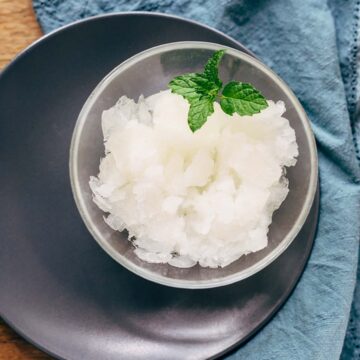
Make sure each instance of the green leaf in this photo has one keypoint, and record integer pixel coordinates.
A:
(193, 86)
(199, 112)
(202, 89)
(242, 98)
(211, 68)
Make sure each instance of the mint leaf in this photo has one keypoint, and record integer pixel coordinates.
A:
(199, 112)
(202, 89)
(211, 68)
(242, 98)
(193, 86)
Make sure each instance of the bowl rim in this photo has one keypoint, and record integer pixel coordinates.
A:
(137, 269)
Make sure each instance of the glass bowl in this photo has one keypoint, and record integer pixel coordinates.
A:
(147, 73)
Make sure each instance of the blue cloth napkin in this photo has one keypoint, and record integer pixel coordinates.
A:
(314, 46)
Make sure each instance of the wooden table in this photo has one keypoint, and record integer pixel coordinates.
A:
(18, 29)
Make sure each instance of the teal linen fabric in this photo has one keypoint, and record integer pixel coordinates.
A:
(313, 46)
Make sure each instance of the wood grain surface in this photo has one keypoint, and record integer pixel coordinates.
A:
(18, 29)
(13, 347)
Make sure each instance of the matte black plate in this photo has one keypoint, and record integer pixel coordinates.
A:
(58, 288)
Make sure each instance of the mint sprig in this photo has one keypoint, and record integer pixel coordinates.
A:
(202, 89)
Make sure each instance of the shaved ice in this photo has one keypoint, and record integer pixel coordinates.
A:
(185, 198)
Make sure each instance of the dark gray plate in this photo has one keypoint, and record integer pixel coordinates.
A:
(58, 288)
